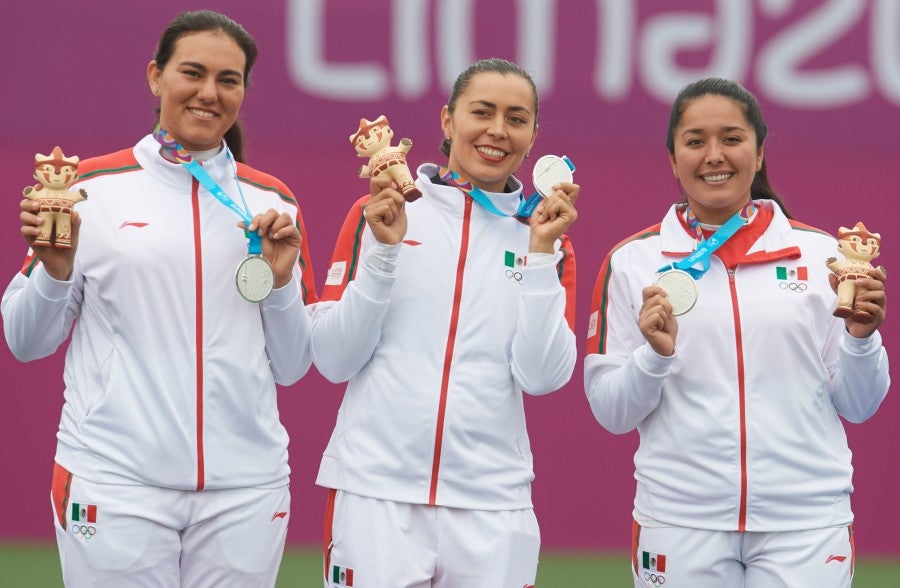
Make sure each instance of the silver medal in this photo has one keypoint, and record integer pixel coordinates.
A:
(548, 171)
(254, 278)
(681, 289)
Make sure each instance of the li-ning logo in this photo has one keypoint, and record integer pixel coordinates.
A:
(792, 279)
(514, 264)
(133, 224)
(837, 558)
(279, 515)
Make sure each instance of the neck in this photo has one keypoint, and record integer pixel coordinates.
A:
(716, 216)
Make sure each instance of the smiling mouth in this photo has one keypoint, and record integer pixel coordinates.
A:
(715, 178)
(202, 113)
(491, 153)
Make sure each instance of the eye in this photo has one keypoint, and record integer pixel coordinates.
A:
(517, 120)
(231, 81)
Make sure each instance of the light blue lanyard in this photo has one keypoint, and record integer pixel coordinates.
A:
(526, 206)
(706, 247)
(181, 155)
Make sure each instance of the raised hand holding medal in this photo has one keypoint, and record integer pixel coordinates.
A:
(678, 279)
(254, 277)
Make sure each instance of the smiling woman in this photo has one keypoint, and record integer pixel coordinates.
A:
(743, 470)
(171, 373)
(478, 297)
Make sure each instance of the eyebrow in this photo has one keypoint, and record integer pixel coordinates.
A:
(701, 131)
(492, 105)
(200, 66)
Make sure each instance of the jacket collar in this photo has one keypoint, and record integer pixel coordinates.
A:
(778, 241)
(147, 154)
(452, 200)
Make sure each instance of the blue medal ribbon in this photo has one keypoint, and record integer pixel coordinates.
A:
(706, 247)
(526, 206)
(181, 155)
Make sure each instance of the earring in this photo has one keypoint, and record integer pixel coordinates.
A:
(527, 154)
(758, 165)
(156, 91)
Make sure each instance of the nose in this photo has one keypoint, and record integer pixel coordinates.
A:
(497, 126)
(714, 153)
(207, 89)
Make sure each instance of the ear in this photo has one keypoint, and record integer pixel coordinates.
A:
(673, 165)
(760, 156)
(446, 119)
(533, 138)
(153, 74)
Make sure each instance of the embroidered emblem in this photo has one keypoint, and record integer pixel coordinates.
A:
(513, 265)
(792, 279)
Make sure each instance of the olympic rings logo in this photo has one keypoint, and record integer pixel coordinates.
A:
(86, 531)
(515, 276)
(652, 579)
(793, 286)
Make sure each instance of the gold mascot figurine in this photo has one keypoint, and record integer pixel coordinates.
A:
(373, 140)
(859, 247)
(55, 172)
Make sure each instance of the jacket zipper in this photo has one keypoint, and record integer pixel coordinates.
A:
(742, 400)
(198, 327)
(448, 352)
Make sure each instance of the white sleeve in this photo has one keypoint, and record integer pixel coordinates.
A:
(862, 378)
(287, 327)
(622, 395)
(345, 332)
(38, 312)
(543, 346)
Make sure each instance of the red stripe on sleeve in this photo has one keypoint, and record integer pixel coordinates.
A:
(345, 257)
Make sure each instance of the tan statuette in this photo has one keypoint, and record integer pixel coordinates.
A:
(56, 173)
(373, 140)
(859, 248)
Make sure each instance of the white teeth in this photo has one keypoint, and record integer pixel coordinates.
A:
(492, 152)
(717, 178)
(202, 113)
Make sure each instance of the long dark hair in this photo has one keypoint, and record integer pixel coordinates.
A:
(491, 65)
(199, 21)
(760, 187)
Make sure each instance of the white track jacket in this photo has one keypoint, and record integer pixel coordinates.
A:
(170, 375)
(740, 429)
(438, 350)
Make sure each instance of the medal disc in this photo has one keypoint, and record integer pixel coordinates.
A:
(550, 170)
(254, 278)
(681, 289)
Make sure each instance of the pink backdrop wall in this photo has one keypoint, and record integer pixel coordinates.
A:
(827, 74)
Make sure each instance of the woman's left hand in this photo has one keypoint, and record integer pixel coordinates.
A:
(552, 217)
(871, 299)
(281, 242)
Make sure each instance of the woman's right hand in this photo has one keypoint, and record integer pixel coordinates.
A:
(657, 322)
(386, 211)
(57, 261)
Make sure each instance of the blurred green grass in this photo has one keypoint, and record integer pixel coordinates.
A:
(27, 565)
